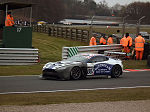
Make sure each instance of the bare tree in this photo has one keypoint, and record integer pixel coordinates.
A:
(138, 9)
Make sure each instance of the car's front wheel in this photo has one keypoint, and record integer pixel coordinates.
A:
(116, 71)
(75, 73)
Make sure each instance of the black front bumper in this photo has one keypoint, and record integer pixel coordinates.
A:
(50, 73)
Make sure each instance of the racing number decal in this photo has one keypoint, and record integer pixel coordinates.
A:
(90, 71)
(19, 30)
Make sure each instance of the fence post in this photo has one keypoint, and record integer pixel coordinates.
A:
(37, 28)
(33, 28)
(44, 28)
(57, 29)
(76, 35)
(49, 31)
(65, 32)
(70, 33)
(52, 33)
(40, 28)
(61, 32)
(88, 35)
(82, 35)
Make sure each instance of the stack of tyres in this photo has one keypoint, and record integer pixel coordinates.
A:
(146, 50)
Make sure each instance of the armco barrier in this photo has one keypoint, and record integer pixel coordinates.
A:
(18, 56)
(120, 55)
(70, 51)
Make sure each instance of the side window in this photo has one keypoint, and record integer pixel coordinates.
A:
(98, 59)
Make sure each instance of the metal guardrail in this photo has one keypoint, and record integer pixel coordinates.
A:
(118, 55)
(18, 56)
(70, 51)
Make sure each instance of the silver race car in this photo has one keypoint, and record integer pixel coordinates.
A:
(82, 65)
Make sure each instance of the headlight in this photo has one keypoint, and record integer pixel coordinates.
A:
(60, 67)
(44, 67)
(47, 65)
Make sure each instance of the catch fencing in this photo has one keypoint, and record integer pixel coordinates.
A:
(71, 51)
(18, 56)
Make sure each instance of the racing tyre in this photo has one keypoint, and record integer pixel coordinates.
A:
(116, 71)
(75, 73)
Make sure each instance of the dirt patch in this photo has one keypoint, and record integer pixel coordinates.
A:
(119, 106)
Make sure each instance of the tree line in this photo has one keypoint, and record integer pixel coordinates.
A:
(53, 11)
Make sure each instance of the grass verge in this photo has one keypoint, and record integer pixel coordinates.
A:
(76, 97)
(134, 64)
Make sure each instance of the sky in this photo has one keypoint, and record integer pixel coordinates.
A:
(122, 2)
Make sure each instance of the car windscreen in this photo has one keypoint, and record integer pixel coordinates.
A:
(78, 58)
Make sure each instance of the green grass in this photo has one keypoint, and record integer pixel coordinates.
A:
(50, 48)
(76, 97)
(134, 64)
(21, 70)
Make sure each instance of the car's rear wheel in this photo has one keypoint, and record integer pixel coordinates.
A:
(75, 73)
(116, 71)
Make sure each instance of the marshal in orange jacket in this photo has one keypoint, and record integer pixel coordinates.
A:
(124, 42)
(9, 20)
(129, 41)
(92, 41)
(109, 41)
(102, 41)
(139, 43)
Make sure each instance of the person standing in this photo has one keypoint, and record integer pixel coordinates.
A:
(124, 43)
(129, 39)
(110, 40)
(139, 47)
(92, 41)
(9, 20)
(103, 40)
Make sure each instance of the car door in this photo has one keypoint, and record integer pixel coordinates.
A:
(97, 65)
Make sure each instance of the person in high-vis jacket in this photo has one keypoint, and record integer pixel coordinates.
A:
(124, 43)
(128, 50)
(9, 20)
(139, 46)
(92, 41)
(102, 40)
(129, 41)
(110, 40)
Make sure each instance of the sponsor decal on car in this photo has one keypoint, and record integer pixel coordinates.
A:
(102, 69)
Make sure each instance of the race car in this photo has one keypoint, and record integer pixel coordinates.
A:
(81, 66)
